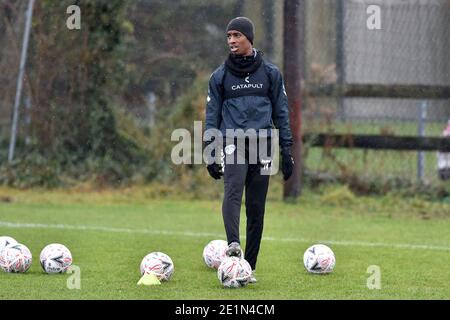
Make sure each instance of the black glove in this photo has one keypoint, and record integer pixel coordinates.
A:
(287, 163)
(215, 170)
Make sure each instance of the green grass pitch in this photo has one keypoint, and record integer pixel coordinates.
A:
(109, 234)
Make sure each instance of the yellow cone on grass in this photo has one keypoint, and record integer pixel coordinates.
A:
(149, 280)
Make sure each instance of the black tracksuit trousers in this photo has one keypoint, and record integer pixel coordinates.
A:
(254, 178)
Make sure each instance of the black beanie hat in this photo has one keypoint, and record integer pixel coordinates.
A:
(243, 25)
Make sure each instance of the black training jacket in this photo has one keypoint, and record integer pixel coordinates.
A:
(258, 101)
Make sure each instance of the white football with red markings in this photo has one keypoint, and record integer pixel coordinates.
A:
(319, 258)
(234, 272)
(55, 258)
(214, 253)
(15, 258)
(159, 264)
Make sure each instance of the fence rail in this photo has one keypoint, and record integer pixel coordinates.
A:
(366, 141)
(377, 91)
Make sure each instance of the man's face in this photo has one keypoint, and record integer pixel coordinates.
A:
(238, 43)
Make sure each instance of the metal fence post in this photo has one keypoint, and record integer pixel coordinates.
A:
(23, 59)
(422, 108)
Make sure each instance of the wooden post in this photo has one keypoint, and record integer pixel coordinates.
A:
(293, 69)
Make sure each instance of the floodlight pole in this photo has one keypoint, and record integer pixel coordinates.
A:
(23, 59)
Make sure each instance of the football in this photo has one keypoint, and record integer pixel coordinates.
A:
(159, 264)
(234, 272)
(5, 241)
(319, 259)
(55, 258)
(15, 258)
(214, 253)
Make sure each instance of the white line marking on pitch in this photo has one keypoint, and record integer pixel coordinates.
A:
(7, 224)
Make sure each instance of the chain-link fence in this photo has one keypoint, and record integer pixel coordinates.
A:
(388, 42)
